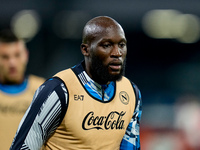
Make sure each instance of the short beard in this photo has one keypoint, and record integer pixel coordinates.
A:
(100, 72)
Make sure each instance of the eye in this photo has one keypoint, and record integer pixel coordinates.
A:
(17, 55)
(122, 45)
(106, 45)
(5, 57)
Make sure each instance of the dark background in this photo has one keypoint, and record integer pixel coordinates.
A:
(163, 69)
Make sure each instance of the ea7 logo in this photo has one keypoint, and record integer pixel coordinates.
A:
(78, 97)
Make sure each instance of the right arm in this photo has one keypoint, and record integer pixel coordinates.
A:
(43, 116)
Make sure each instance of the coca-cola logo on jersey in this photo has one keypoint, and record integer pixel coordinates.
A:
(114, 120)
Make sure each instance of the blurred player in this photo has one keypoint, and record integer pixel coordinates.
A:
(16, 89)
(89, 106)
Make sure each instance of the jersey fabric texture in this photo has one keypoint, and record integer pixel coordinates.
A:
(14, 101)
(48, 117)
(89, 121)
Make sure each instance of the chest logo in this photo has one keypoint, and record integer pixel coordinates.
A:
(78, 97)
(113, 121)
(124, 97)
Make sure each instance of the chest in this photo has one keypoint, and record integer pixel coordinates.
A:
(16, 103)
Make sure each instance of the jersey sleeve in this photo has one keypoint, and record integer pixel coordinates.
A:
(131, 139)
(43, 116)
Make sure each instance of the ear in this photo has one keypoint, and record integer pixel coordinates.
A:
(85, 49)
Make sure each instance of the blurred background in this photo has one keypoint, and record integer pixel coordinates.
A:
(163, 55)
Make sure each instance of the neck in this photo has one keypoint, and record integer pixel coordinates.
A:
(11, 82)
(96, 78)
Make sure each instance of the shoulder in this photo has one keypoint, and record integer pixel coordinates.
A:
(35, 81)
(131, 82)
(53, 82)
(49, 87)
(135, 88)
(63, 73)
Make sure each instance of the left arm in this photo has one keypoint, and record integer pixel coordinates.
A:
(131, 139)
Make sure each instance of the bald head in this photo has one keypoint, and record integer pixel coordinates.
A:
(98, 26)
(104, 49)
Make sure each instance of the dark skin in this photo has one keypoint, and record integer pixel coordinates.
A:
(104, 49)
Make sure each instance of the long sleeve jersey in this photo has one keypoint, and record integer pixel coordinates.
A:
(49, 107)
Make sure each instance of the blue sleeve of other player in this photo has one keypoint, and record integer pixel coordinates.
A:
(131, 139)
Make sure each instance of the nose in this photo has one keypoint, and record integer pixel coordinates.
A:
(116, 52)
(12, 61)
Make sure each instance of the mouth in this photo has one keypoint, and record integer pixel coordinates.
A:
(116, 66)
(12, 71)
